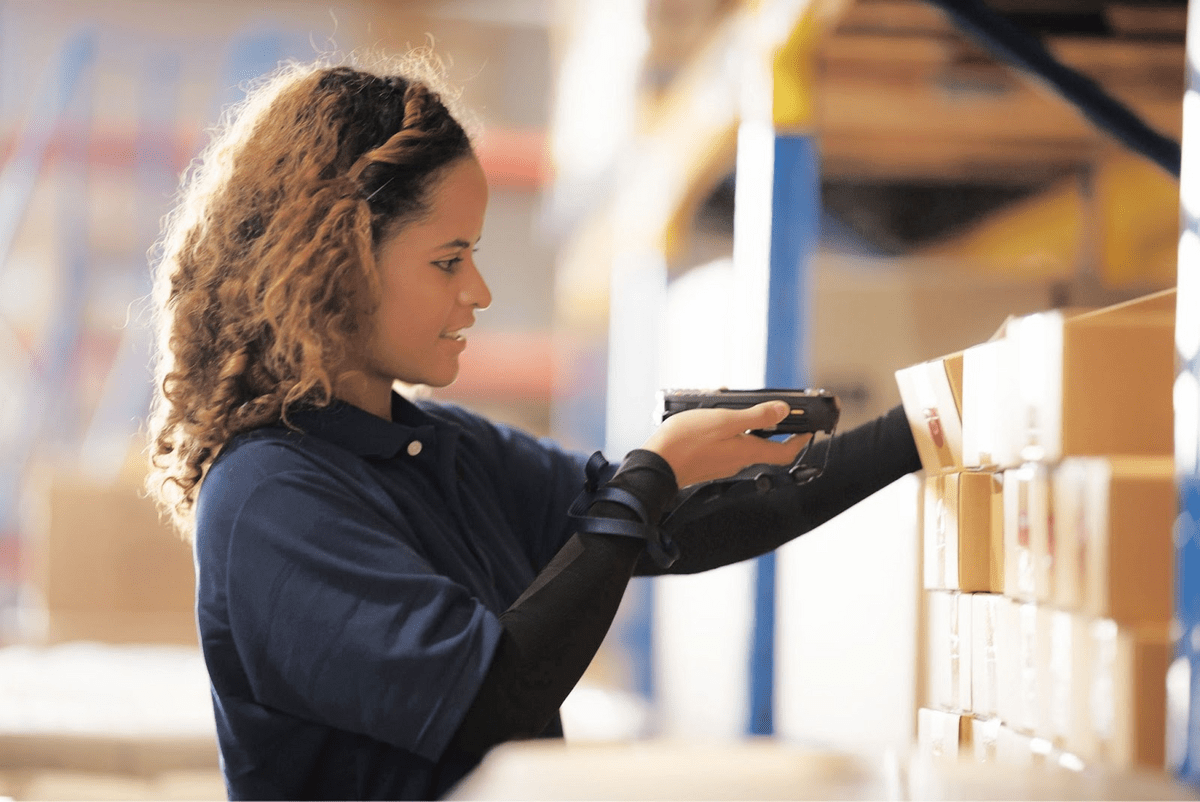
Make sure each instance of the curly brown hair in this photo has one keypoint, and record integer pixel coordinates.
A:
(266, 276)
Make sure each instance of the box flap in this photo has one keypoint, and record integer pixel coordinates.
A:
(1157, 302)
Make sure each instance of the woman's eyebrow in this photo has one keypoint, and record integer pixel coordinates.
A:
(457, 244)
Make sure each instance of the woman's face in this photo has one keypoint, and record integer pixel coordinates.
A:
(430, 285)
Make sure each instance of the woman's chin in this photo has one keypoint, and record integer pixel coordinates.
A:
(441, 380)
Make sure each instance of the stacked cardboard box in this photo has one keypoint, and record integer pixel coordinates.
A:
(104, 565)
(1048, 511)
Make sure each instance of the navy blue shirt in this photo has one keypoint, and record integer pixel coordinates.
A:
(349, 583)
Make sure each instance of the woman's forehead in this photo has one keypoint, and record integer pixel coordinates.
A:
(458, 202)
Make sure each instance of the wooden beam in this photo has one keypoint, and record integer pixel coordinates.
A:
(934, 106)
(880, 156)
(894, 17)
(1138, 20)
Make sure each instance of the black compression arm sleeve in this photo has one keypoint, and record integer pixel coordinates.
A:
(862, 461)
(552, 632)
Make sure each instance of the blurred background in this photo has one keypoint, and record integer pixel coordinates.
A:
(950, 191)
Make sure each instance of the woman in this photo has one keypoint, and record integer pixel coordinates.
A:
(386, 589)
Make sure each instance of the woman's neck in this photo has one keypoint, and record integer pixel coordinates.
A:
(373, 396)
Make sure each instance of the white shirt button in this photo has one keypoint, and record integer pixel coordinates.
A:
(414, 448)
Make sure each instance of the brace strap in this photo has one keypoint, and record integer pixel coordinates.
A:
(662, 548)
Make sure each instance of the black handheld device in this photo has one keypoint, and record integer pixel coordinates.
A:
(811, 410)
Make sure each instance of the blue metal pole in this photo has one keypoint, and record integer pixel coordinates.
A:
(795, 226)
(637, 636)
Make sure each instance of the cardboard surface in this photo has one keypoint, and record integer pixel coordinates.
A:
(1133, 580)
(989, 405)
(932, 396)
(963, 532)
(1117, 383)
(985, 733)
(1020, 699)
(1072, 523)
(1058, 383)
(115, 754)
(1097, 383)
(1126, 679)
(1028, 545)
(942, 735)
(1115, 534)
(948, 650)
(106, 567)
(985, 642)
(1062, 646)
(1021, 494)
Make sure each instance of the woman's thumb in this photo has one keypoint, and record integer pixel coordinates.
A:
(767, 414)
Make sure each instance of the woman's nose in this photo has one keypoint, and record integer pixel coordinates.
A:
(475, 293)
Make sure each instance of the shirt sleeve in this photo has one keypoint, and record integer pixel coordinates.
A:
(537, 478)
(860, 462)
(337, 620)
(552, 632)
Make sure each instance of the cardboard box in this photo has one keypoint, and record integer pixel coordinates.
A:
(1129, 572)
(1065, 383)
(1115, 522)
(985, 641)
(943, 735)
(1026, 522)
(105, 566)
(1063, 648)
(989, 405)
(1036, 507)
(1127, 698)
(1080, 739)
(1007, 661)
(932, 396)
(1020, 696)
(1073, 514)
(963, 532)
(985, 735)
(1096, 383)
(948, 650)
(119, 753)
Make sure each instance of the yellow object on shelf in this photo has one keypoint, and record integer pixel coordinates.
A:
(1124, 230)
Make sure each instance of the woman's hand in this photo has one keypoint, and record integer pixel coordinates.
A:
(705, 444)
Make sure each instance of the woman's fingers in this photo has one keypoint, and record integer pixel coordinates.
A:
(706, 444)
(750, 449)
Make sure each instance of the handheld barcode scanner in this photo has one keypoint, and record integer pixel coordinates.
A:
(812, 411)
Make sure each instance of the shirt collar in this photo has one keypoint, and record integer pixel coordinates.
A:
(367, 435)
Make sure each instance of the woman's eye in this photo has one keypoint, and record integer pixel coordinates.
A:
(448, 265)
